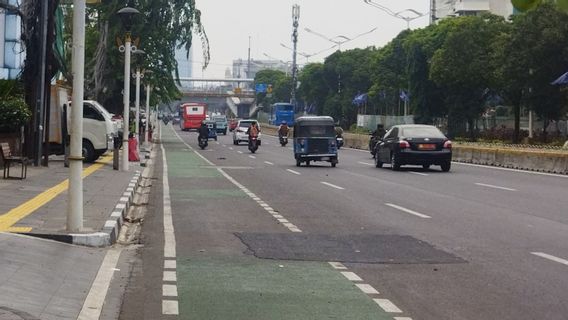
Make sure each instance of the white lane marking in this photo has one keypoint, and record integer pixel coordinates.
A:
(296, 229)
(170, 264)
(169, 235)
(367, 288)
(224, 145)
(169, 276)
(282, 220)
(269, 163)
(332, 185)
(408, 211)
(289, 225)
(338, 265)
(511, 170)
(170, 307)
(387, 305)
(294, 172)
(217, 142)
(351, 276)
(495, 187)
(169, 290)
(277, 216)
(252, 157)
(402, 318)
(231, 148)
(93, 305)
(366, 163)
(240, 152)
(418, 173)
(551, 257)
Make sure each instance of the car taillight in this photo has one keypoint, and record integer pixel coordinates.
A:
(403, 144)
(448, 144)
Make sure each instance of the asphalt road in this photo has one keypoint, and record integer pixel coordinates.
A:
(474, 243)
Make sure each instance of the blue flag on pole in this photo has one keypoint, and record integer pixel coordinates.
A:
(563, 79)
(404, 96)
(360, 99)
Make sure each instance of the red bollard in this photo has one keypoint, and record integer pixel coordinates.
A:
(133, 150)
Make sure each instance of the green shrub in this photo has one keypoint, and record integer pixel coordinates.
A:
(14, 113)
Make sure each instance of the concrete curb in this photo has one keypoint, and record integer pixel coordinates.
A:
(109, 234)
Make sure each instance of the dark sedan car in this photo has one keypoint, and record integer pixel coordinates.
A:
(413, 144)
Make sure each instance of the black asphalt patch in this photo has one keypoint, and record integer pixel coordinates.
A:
(360, 248)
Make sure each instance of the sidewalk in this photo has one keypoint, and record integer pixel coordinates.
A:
(38, 205)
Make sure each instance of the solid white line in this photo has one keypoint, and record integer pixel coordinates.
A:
(402, 318)
(332, 185)
(338, 265)
(418, 173)
(169, 290)
(511, 170)
(294, 172)
(269, 163)
(169, 235)
(252, 157)
(366, 163)
(240, 152)
(93, 305)
(551, 257)
(170, 307)
(351, 276)
(367, 288)
(387, 305)
(408, 211)
(495, 187)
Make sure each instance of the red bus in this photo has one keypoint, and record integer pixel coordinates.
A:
(191, 115)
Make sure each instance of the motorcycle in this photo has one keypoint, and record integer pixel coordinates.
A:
(283, 140)
(203, 143)
(339, 140)
(253, 144)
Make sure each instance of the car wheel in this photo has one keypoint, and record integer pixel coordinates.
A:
(446, 166)
(225, 132)
(88, 151)
(298, 163)
(235, 142)
(378, 163)
(426, 166)
(334, 162)
(395, 164)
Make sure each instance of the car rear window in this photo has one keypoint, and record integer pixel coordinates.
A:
(245, 124)
(422, 132)
(220, 119)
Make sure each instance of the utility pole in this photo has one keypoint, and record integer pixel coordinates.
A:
(248, 63)
(295, 24)
(40, 107)
(432, 11)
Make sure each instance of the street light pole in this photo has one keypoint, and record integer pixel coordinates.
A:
(338, 43)
(75, 204)
(147, 113)
(295, 24)
(126, 14)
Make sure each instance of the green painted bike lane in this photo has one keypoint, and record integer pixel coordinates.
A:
(237, 286)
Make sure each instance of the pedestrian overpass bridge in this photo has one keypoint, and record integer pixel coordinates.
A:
(231, 94)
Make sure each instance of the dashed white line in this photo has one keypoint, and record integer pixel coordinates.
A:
(351, 276)
(170, 276)
(551, 257)
(170, 307)
(511, 170)
(240, 152)
(294, 172)
(269, 163)
(402, 318)
(367, 288)
(387, 305)
(366, 163)
(338, 265)
(418, 173)
(231, 148)
(332, 185)
(170, 264)
(408, 211)
(252, 157)
(495, 187)
(169, 290)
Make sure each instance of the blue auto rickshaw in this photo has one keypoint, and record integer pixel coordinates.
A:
(212, 126)
(314, 140)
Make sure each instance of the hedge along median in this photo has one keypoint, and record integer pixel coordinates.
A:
(553, 161)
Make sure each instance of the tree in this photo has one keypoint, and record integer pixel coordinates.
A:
(281, 86)
(312, 89)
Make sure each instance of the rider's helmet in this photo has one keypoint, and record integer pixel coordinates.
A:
(283, 122)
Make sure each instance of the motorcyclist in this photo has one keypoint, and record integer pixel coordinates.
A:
(283, 129)
(203, 131)
(253, 131)
(376, 136)
(338, 131)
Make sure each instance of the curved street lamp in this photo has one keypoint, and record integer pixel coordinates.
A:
(308, 55)
(407, 15)
(335, 40)
(126, 15)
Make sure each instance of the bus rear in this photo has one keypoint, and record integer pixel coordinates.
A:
(192, 115)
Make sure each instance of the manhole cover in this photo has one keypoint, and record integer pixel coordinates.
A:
(363, 248)
(11, 314)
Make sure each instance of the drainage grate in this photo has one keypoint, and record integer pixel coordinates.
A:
(360, 248)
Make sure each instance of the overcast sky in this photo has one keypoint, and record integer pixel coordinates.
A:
(229, 23)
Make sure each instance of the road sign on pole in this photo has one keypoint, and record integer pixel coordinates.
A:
(260, 88)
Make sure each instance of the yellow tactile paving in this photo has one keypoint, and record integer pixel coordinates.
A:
(10, 218)
(19, 229)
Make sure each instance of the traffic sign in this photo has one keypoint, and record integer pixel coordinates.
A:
(260, 88)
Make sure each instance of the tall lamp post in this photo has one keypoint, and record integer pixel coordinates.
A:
(75, 204)
(295, 24)
(308, 55)
(340, 39)
(126, 15)
(146, 126)
(137, 75)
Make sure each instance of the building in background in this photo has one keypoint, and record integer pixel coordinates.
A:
(452, 8)
(12, 54)
(241, 67)
(185, 65)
